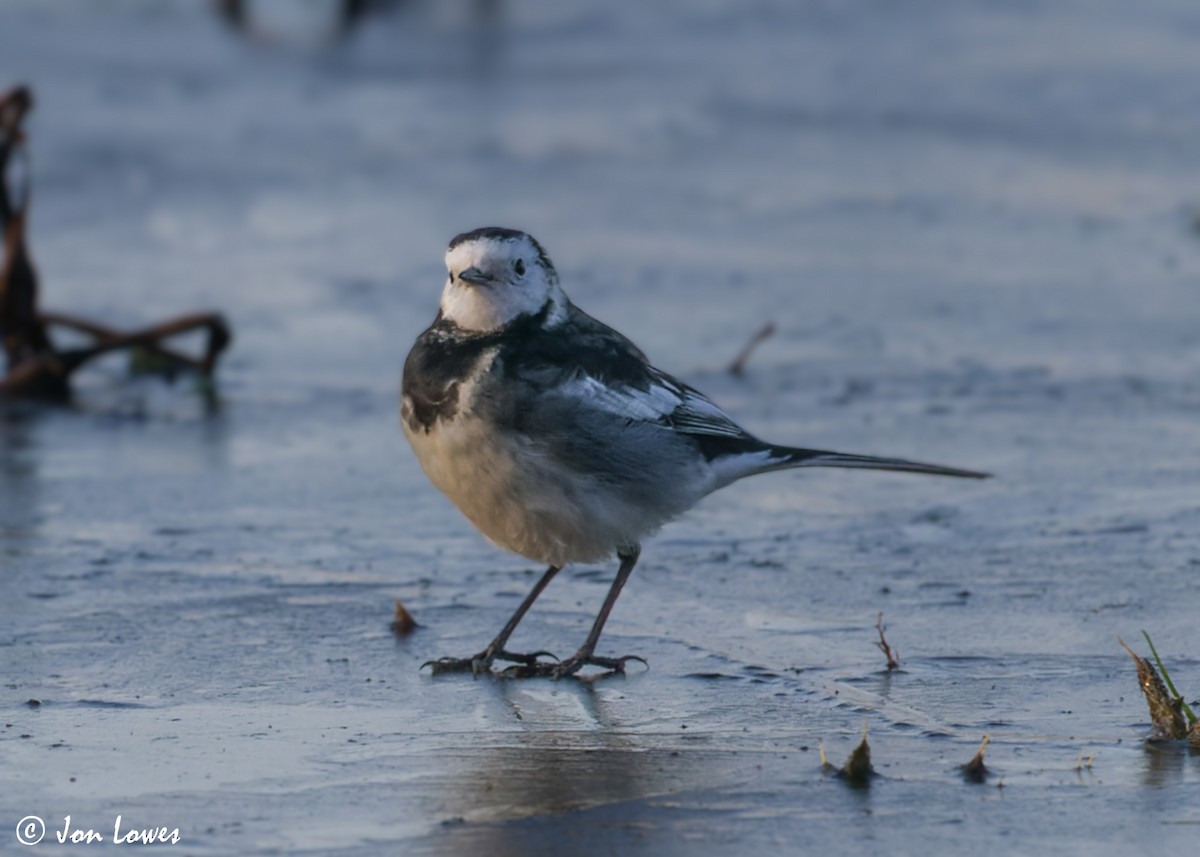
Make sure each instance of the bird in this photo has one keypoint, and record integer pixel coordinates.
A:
(556, 437)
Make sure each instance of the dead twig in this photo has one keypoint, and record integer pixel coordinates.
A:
(738, 366)
(892, 655)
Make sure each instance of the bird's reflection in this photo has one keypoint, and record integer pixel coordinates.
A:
(574, 755)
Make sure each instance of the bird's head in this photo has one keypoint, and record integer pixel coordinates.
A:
(497, 275)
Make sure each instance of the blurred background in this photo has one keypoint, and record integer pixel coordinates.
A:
(982, 177)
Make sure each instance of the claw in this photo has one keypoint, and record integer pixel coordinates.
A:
(528, 660)
(571, 666)
(476, 665)
(615, 666)
(482, 662)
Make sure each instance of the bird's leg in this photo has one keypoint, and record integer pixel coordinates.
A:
(495, 649)
(585, 657)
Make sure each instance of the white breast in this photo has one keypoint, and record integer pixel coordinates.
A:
(522, 499)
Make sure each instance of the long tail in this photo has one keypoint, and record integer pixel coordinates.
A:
(786, 456)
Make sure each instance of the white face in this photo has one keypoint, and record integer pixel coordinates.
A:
(497, 276)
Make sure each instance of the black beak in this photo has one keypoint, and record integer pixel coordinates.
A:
(475, 277)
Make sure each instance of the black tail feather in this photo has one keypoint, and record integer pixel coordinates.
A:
(791, 457)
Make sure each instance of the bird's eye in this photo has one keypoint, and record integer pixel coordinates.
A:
(520, 267)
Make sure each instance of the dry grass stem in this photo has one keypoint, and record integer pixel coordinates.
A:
(738, 366)
(892, 655)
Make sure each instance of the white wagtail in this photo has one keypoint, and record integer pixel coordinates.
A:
(556, 437)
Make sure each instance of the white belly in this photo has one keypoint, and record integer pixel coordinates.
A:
(521, 500)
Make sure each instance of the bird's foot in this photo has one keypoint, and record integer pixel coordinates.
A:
(572, 665)
(482, 662)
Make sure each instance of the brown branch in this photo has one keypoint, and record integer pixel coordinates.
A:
(893, 655)
(738, 366)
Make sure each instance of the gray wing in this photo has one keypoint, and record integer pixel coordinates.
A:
(649, 441)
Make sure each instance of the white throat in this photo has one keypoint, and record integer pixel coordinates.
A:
(506, 296)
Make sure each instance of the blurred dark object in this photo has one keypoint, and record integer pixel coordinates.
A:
(317, 24)
(35, 368)
(293, 20)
